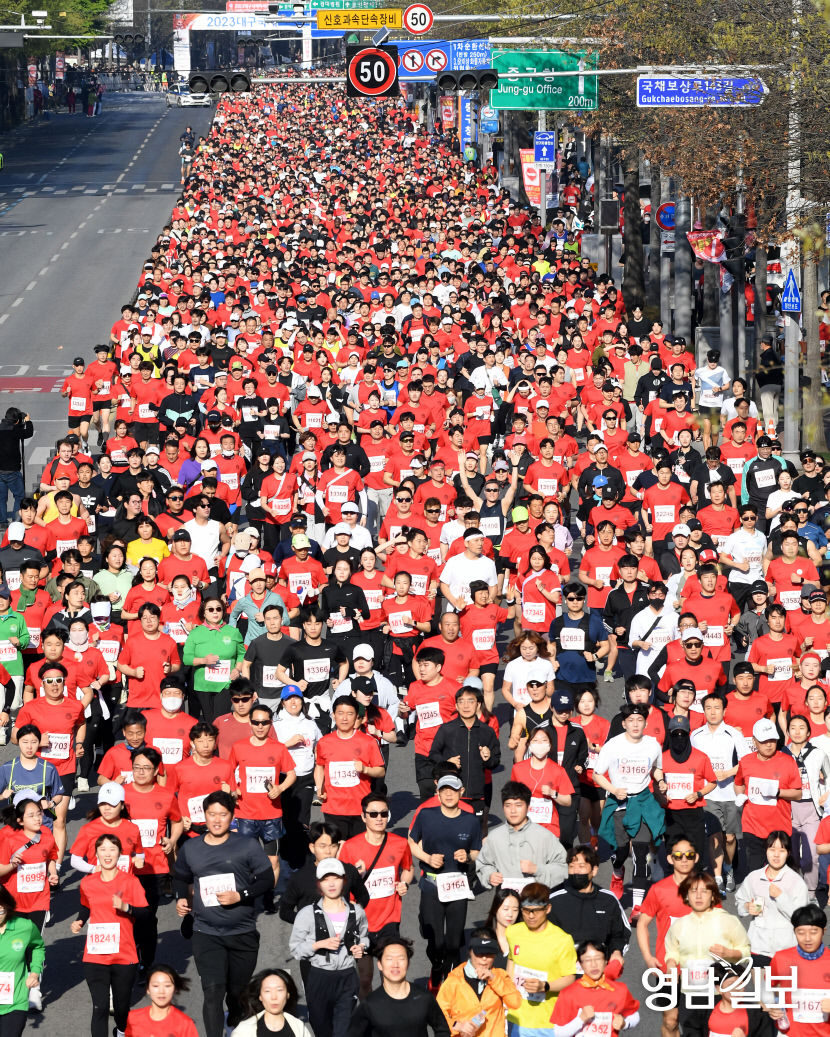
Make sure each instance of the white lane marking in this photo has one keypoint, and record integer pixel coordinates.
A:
(30, 285)
(4, 318)
(17, 302)
(44, 270)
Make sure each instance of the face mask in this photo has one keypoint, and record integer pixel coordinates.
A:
(78, 638)
(227, 453)
(101, 611)
(579, 882)
(172, 703)
(539, 749)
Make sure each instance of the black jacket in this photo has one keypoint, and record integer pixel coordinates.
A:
(619, 610)
(596, 916)
(12, 435)
(456, 739)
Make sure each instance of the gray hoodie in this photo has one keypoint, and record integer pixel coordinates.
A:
(505, 847)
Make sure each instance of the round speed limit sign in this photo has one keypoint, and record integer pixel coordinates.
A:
(417, 19)
(371, 71)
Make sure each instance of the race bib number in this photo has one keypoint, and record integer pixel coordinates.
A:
(342, 774)
(762, 791)
(429, 715)
(783, 669)
(483, 640)
(548, 487)
(145, 410)
(522, 973)
(109, 650)
(599, 1026)
(713, 636)
(65, 545)
(281, 505)
(572, 640)
(219, 673)
(269, 677)
(790, 599)
(8, 652)
(534, 611)
(697, 973)
(380, 883)
(256, 778)
(313, 420)
(664, 514)
(604, 574)
(490, 526)
(31, 878)
(807, 1006)
(521, 696)
(452, 886)
(340, 624)
(78, 404)
(338, 494)
(541, 810)
(400, 622)
(763, 480)
(171, 749)
(374, 599)
(6, 988)
(315, 670)
(679, 785)
(149, 828)
(377, 463)
(13, 580)
(210, 885)
(103, 938)
(196, 809)
(59, 745)
(298, 582)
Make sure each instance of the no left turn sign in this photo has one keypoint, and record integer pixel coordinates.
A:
(417, 19)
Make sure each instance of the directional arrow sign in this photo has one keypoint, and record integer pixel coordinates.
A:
(699, 91)
(791, 296)
(436, 60)
(412, 60)
(544, 149)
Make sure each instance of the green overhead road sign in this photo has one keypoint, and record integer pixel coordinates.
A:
(560, 93)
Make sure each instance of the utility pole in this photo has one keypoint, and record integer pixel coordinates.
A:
(542, 125)
(682, 268)
(790, 262)
(665, 257)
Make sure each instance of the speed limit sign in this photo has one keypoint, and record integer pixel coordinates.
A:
(417, 19)
(372, 72)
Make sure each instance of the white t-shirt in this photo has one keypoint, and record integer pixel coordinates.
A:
(720, 746)
(460, 572)
(665, 631)
(711, 378)
(204, 539)
(742, 547)
(627, 764)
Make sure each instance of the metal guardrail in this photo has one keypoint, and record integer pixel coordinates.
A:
(131, 81)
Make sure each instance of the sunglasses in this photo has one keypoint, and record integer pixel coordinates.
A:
(377, 813)
(749, 518)
(432, 511)
(243, 698)
(573, 597)
(260, 723)
(403, 500)
(175, 498)
(683, 855)
(53, 680)
(212, 610)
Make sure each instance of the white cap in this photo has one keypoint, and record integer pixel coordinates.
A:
(16, 531)
(111, 793)
(691, 632)
(765, 731)
(342, 527)
(681, 530)
(363, 651)
(330, 866)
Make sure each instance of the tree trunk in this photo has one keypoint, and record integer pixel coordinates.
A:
(760, 295)
(813, 395)
(710, 316)
(633, 286)
(653, 286)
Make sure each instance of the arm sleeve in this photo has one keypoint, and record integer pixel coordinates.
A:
(360, 1025)
(568, 1029)
(182, 875)
(81, 864)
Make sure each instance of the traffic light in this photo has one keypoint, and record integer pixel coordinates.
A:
(470, 79)
(216, 81)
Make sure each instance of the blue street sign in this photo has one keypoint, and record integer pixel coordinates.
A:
(791, 296)
(467, 134)
(422, 60)
(699, 91)
(488, 121)
(544, 146)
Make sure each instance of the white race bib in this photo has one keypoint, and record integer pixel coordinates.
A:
(765, 479)
(783, 669)
(171, 749)
(679, 785)
(338, 494)
(380, 883)
(600, 1026)
(572, 639)
(103, 938)
(210, 885)
(6, 988)
(256, 777)
(269, 677)
(149, 828)
(429, 715)
(713, 636)
(807, 1006)
(762, 791)
(316, 670)
(196, 809)
(452, 885)
(665, 514)
(342, 774)
(483, 640)
(59, 745)
(523, 972)
(77, 403)
(219, 673)
(541, 810)
(534, 611)
(31, 878)
(8, 652)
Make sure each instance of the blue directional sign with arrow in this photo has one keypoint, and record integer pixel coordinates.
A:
(544, 147)
(791, 296)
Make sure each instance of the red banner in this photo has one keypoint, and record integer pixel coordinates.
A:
(60, 64)
(530, 176)
(707, 244)
(447, 110)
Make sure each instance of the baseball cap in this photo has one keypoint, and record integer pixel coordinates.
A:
(330, 866)
(5, 592)
(765, 731)
(313, 391)
(182, 534)
(679, 724)
(29, 795)
(520, 514)
(300, 540)
(349, 508)
(342, 528)
(818, 595)
(209, 464)
(77, 360)
(759, 587)
(16, 531)
(111, 793)
(450, 781)
(484, 946)
(501, 466)
(690, 634)
(562, 702)
(256, 574)
(290, 691)
(363, 651)
(681, 530)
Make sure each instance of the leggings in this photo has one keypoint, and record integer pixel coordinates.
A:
(640, 876)
(94, 734)
(12, 1024)
(225, 965)
(214, 704)
(101, 979)
(296, 813)
(146, 926)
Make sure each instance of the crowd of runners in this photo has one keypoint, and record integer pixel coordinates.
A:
(377, 472)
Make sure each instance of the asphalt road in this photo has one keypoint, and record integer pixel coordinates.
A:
(80, 202)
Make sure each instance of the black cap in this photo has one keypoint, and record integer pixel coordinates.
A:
(679, 724)
(742, 667)
(78, 360)
(181, 534)
(214, 415)
(759, 587)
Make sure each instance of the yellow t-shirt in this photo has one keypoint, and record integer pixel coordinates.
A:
(153, 548)
(550, 951)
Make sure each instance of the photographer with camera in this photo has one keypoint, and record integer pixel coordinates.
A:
(14, 429)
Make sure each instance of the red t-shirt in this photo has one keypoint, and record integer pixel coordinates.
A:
(192, 782)
(28, 883)
(763, 651)
(616, 1001)
(459, 657)
(151, 811)
(60, 722)
(143, 693)
(810, 988)
(343, 785)
(434, 705)
(384, 902)
(253, 766)
(170, 735)
(542, 808)
(663, 904)
(762, 812)
(176, 1024)
(745, 713)
(683, 778)
(109, 933)
(128, 835)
